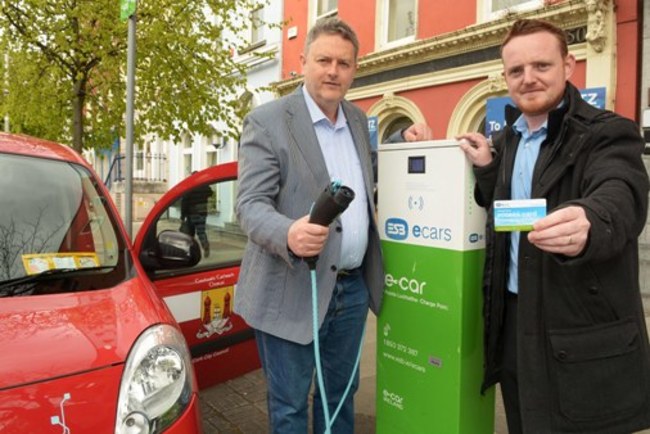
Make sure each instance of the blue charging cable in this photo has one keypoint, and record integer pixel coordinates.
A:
(332, 201)
(319, 370)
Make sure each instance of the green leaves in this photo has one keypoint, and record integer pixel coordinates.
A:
(69, 56)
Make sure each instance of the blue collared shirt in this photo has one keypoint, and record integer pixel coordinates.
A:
(521, 184)
(343, 164)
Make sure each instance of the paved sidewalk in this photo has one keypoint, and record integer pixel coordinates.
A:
(239, 406)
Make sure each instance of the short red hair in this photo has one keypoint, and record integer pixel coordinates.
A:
(528, 27)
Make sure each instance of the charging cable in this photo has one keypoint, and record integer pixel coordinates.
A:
(319, 370)
(329, 205)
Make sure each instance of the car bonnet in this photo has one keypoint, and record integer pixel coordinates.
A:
(49, 336)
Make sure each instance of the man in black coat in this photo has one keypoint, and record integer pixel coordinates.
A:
(565, 332)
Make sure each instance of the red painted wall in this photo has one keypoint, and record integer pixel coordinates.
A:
(437, 103)
(360, 15)
(627, 84)
(579, 77)
(433, 19)
(295, 15)
(436, 17)
(627, 63)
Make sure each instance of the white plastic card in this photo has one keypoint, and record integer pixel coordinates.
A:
(518, 215)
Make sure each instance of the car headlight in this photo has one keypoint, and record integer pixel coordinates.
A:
(156, 384)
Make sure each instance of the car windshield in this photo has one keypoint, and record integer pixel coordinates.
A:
(53, 218)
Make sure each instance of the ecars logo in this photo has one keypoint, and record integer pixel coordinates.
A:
(396, 229)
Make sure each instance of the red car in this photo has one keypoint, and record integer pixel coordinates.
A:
(89, 341)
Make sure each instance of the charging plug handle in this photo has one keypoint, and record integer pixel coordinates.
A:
(329, 205)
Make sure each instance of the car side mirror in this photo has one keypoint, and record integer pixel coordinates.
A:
(173, 249)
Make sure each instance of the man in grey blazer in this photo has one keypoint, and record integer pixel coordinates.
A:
(290, 151)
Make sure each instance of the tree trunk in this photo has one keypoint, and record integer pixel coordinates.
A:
(78, 114)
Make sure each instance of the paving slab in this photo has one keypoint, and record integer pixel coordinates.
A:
(238, 406)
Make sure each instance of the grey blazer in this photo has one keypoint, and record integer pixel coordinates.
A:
(281, 173)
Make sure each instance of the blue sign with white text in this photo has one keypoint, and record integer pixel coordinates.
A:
(372, 129)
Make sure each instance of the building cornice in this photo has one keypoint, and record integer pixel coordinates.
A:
(491, 68)
(566, 15)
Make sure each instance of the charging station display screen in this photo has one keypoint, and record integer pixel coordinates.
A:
(416, 164)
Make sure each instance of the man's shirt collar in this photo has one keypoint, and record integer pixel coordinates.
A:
(317, 115)
(521, 126)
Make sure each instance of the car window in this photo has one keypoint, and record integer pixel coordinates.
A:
(207, 213)
(53, 217)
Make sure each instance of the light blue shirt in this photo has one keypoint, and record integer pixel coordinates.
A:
(343, 164)
(521, 184)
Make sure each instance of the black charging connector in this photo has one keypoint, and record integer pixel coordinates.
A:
(329, 205)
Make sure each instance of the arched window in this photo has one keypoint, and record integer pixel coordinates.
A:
(394, 113)
(469, 114)
(395, 125)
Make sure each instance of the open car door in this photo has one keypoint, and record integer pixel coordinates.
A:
(201, 297)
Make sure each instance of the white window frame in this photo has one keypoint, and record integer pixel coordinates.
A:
(211, 145)
(252, 37)
(211, 157)
(187, 152)
(384, 20)
(256, 35)
(313, 11)
(485, 6)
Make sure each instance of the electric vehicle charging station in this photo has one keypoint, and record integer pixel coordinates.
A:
(430, 329)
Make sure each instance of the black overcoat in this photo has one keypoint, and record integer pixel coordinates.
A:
(582, 345)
